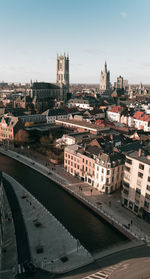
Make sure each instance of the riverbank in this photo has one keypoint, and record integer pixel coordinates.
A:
(118, 217)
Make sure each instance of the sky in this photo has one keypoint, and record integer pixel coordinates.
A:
(32, 32)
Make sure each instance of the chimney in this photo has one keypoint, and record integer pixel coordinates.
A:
(140, 151)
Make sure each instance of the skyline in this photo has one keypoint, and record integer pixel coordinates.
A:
(33, 32)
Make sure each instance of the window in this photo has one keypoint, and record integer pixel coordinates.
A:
(130, 204)
(71, 157)
(108, 172)
(146, 204)
(113, 179)
(140, 174)
(147, 196)
(148, 187)
(141, 166)
(102, 170)
(148, 179)
(126, 184)
(86, 161)
(127, 169)
(66, 155)
(126, 192)
(97, 168)
(138, 191)
(129, 161)
(107, 180)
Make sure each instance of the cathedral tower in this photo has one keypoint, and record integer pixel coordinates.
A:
(62, 71)
(105, 79)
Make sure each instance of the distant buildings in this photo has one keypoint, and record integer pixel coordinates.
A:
(136, 183)
(9, 126)
(81, 103)
(105, 79)
(119, 84)
(55, 114)
(45, 90)
(138, 120)
(51, 91)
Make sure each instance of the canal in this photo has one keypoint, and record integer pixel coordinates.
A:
(93, 233)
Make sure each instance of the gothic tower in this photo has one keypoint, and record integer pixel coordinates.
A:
(62, 73)
(105, 79)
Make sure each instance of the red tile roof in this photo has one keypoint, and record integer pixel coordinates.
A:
(116, 109)
(139, 115)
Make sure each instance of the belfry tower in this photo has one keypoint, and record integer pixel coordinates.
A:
(105, 79)
(62, 72)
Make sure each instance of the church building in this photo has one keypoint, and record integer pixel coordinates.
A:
(105, 79)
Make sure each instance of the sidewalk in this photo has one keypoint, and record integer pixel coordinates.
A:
(108, 205)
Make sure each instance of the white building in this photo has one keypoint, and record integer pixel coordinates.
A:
(80, 103)
(114, 114)
(55, 114)
(136, 183)
(108, 172)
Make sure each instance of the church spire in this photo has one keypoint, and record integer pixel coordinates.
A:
(105, 66)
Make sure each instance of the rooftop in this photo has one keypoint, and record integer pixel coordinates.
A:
(44, 85)
(83, 124)
(142, 158)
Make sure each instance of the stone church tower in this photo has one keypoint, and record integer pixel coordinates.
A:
(105, 79)
(62, 73)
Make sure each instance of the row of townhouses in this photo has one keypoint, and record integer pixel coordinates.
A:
(101, 170)
(138, 120)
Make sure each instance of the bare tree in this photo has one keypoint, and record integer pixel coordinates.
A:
(22, 136)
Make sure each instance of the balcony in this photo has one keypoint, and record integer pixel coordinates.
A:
(127, 176)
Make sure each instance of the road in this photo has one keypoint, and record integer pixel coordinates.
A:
(132, 263)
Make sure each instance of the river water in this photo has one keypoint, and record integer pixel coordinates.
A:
(93, 232)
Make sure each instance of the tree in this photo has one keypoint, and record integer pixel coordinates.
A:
(22, 136)
(50, 137)
(44, 140)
